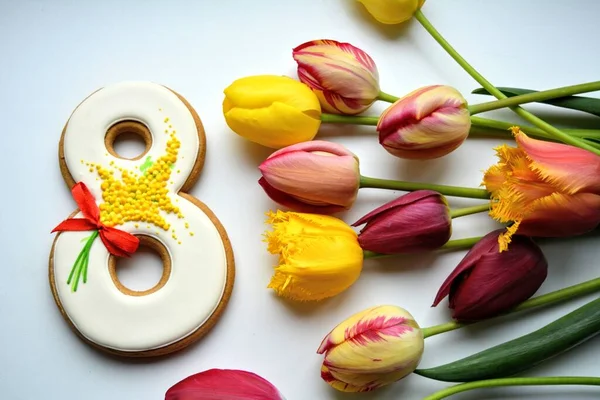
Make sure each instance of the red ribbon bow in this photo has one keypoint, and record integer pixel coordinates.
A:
(117, 242)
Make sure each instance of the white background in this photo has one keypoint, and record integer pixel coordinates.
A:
(54, 53)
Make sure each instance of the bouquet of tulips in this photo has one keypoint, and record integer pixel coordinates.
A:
(546, 186)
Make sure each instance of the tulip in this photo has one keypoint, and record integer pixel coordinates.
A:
(274, 111)
(488, 282)
(546, 189)
(319, 256)
(318, 177)
(418, 221)
(392, 11)
(427, 123)
(223, 384)
(344, 78)
(372, 348)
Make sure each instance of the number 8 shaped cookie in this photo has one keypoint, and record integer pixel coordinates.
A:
(124, 203)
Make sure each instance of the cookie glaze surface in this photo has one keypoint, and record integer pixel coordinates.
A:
(140, 197)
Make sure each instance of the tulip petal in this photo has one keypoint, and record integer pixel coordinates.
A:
(406, 199)
(293, 203)
(392, 11)
(321, 146)
(488, 292)
(356, 382)
(220, 384)
(570, 168)
(561, 215)
(487, 244)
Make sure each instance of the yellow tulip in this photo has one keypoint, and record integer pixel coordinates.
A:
(392, 11)
(274, 111)
(319, 255)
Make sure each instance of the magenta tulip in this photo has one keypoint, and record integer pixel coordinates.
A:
(312, 177)
(488, 282)
(223, 384)
(415, 222)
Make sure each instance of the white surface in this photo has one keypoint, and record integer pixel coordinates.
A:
(53, 54)
(100, 311)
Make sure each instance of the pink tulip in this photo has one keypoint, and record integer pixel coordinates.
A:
(418, 221)
(223, 384)
(344, 78)
(312, 177)
(544, 189)
(488, 282)
(427, 123)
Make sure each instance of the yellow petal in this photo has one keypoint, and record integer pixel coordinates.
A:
(392, 11)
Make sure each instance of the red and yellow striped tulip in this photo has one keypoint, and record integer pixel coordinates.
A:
(274, 111)
(392, 11)
(372, 348)
(545, 189)
(344, 78)
(319, 255)
(317, 177)
(427, 123)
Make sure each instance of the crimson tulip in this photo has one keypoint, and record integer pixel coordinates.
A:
(488, 282)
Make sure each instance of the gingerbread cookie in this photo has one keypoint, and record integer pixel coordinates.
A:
(126, 203)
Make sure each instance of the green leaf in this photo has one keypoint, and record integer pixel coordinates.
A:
(589, 105)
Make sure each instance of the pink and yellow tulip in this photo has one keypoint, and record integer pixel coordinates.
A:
(317, 176)
(223, 384)
(319, 255)
(545, 189)
(428, 123)
(487, 282)
(392, 11)
(274, 111)
(372, 348)
(415, 222)
(344, 78)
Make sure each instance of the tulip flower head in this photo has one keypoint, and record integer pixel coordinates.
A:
(372, 348)
(546, 189)
(274, 111)
(319, 255)
(415, 222)
(488, 282)
(344, 78)
(427, 123)
(223, 384)
(392, 11)
(318, 177)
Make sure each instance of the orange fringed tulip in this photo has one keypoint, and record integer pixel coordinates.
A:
(546, 189)
(319, 255)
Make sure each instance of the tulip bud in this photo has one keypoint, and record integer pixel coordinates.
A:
(418, 221)
(372, 348)
(427, 123)
(317, 176)
(344, 78)
(392, 11)
(319, 256)
(274, 111)
(488, 282)
(222, 384)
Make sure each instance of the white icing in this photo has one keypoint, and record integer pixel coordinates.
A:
(195, 287)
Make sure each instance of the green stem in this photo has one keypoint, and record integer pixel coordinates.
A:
(387, 97)
(461, 212)
(81, 263)
(349, 119)
(529, 381)
(500, 130)
(456, 244)
(456, 191)
(556, 296)
(535, 97)
(554, 132)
